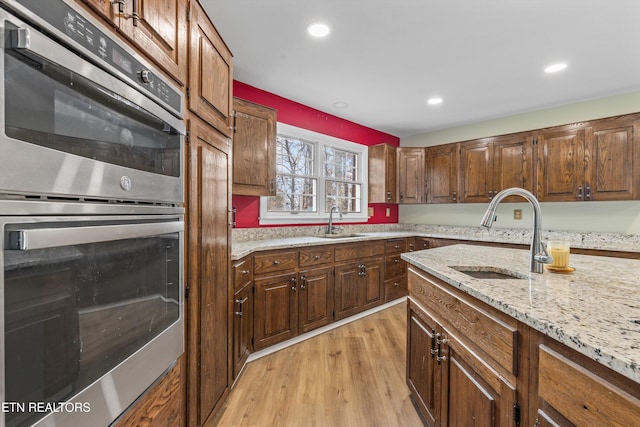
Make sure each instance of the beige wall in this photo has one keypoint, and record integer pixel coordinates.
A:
(613, 217)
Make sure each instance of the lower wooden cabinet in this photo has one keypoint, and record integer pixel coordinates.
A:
(275, 310)
(242, 326)
(359, 287)
(315, 298)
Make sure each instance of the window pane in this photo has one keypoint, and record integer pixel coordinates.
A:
(340, 164)
(294, 156)
(345, 195)
(293, 194)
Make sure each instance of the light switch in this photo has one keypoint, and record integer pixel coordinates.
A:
(388, 212)
(370, 212)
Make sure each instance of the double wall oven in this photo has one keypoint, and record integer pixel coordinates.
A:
(91, 216)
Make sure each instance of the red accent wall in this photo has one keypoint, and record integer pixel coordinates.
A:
(299, 115)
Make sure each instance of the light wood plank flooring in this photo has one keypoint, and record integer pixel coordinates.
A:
(352, 376)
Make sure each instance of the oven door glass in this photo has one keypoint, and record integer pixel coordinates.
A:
(72, 312)
(49, 105)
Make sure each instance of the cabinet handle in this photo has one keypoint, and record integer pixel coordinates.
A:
(396, 260)
(454, 196)
(134, 13)
(396, 247)
(410, 247)
(587, 192)
(579, 192)
(388, 195)
(293, 284)
(433, 343)
(490, 195)
(303, 281)
(271, 188)
(316, 257)
(401, 196)
(440, 340)
(396, 284)
(364, 270)
(240, 302)
(245, 272)
(276, 262)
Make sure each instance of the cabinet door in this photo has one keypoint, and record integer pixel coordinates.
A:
(106, 9)
(242, 326)
(275, 310)
(347, 286)
(411, 175)
(442, 174)
(382, 174)
(254, 149)
(210, 72)
(472, 392)
(513, 163)
(372, 283)
(157, 28)
(315, 298)
(477, 172)
(208, 266)
(611, 165)
(423, 373)
(561, 164)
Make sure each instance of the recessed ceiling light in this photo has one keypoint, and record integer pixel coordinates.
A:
(434, 101)
(340, 104)
(554, 68)
(318, 29)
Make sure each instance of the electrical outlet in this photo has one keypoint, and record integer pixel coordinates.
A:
(517, 214)
(388, 212)
(370, 212)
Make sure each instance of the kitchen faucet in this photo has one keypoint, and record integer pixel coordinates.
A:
(538, 253)
(330, 228)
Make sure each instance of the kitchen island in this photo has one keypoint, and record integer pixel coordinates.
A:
(531, 331)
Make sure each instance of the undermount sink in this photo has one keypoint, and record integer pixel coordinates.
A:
(339, 235)
(488, 273)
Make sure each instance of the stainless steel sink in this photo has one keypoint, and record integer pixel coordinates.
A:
(339, 235)
(488, 273)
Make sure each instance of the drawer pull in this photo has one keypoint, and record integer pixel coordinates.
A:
(316, 257)
(396, 247)
(245, 272)
(276, 262)
(396, 261)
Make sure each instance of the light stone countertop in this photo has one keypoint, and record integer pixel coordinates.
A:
(592, 310)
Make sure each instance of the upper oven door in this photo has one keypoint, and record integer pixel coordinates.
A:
(69, 129)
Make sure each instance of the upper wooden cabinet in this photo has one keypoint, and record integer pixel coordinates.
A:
(442, 173)
(383, 183)
(411, 175)
(592, 161)
(254, 149)
(491, 165)
(209, 90)
(156, 27)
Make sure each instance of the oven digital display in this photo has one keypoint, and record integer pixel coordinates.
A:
(121, 61)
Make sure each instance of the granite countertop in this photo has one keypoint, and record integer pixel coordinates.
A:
(594, 310)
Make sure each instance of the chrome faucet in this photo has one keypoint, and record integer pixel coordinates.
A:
(538, 253)
(330, 228)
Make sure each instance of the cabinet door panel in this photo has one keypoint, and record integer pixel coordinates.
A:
(382, 174)
(242, 327)
(346, 295)
(275, 311)
(422, 370)
(477, 173)
(372, 285)
(513, 163)
(560, 165)
(442, 174)
(411, 175)
(210, 72)
(610, 164)
(315, 299)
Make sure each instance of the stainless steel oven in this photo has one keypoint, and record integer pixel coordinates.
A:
(91, 219)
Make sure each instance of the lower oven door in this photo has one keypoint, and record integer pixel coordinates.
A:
(92, 314)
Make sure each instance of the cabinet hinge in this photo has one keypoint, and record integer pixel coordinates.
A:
(188, 90)
(235, 127)
(186, 138)
(186, 292)
(188, 14)
(516, 413)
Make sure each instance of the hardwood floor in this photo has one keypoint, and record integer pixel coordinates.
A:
(352, 376)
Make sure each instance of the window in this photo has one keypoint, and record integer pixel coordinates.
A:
(315, 172)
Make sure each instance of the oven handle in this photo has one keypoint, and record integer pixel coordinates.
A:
(42, 238)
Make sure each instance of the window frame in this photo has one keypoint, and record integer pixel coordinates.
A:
(320, 141)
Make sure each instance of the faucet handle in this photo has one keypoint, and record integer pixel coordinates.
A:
(543, 258)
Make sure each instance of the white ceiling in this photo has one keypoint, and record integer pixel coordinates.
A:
(384, 58)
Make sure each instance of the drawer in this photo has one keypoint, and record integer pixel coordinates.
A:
(395, 288)
(395, 246)
(355, 251)
(581, 396)
(493, 333)
(394, 266)
(418, 244)
(272, 262)
(315, 256)
(242, 272)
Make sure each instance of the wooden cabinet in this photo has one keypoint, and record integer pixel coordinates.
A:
(462, 361)
(383, 183)
(418, 243)
(275, 309)
(315, 298)
(359, 276)
(242, 313)
(254, 149)
(411, 175)
(208, 266)
(572, 390)
(592, 161)
(442, 173)
(210, 80)
(395, 269)
(491, 165)
(157, 28)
